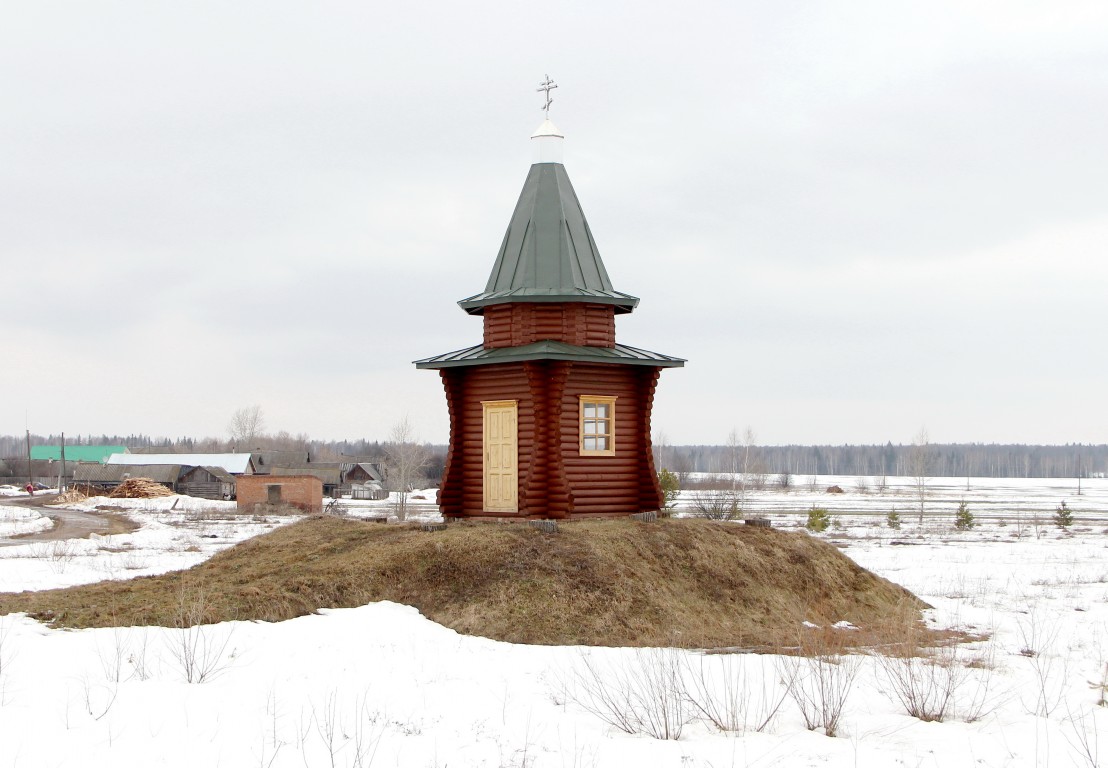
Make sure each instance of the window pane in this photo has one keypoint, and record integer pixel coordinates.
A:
(597, 424)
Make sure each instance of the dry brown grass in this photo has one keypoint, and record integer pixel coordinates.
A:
(688, 583)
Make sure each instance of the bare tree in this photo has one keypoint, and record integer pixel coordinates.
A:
(663, 456)
(734, 447)
(754, 471)
(247, 424)
(920, 460)
(740, 453)
(405, 460)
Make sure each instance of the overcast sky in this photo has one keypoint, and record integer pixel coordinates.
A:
(854, 219)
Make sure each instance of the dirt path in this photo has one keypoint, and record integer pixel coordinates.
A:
(68, 524)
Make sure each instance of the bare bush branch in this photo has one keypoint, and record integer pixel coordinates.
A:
(7, 655)
(819, 680)
(1037, 638)
(721, 689)
(1084, 736)
(639, 694)
(198, 649)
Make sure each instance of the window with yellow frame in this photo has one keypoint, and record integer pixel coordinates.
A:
(598, 425)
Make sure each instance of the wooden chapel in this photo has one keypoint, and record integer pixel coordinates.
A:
(549, 415)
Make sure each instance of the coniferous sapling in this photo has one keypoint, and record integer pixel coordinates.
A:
(670, 486)
(963, 518)
(819, 519)
(1063, 516)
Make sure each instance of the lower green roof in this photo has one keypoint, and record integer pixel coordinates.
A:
(621, 354)
(98, 453)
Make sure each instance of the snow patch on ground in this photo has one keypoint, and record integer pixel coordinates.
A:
(175, 532)
(17, 521)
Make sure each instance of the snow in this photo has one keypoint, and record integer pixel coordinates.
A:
(17, 521)
(381, 685)
(175, 532)
(235, 463)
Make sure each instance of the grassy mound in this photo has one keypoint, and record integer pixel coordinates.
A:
(691, 583)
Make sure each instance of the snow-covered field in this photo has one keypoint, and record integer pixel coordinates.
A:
(380, 685)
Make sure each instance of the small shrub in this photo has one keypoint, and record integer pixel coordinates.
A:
(893, 520)
(200, 650)
(963, 518)
(1101, 688)
(819, 519)
(819, 680)
(730, 694)
(718, 505)
(935, 683)
(640, 695)
(670, 486)
(1063, 516)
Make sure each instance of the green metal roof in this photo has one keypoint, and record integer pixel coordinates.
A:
(548, 253)
(98, 453)
(550, 350)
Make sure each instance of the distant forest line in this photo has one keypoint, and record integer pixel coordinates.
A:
(935, 459)
(938, 459)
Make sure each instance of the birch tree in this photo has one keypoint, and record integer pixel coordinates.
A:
(247, 424)
(920, 461)
(405, 460)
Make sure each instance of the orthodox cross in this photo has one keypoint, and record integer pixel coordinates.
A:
(547, 86)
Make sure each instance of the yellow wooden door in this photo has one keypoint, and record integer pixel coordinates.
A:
(500, 465)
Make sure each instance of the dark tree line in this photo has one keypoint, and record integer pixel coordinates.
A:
(943, 460)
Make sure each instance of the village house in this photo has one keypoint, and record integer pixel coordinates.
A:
(109, 476)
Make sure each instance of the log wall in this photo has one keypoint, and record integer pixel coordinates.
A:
(555, 480)
(626, 482)
(463, 481)
(513, 325)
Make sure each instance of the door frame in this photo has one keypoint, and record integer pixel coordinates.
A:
(503, 405)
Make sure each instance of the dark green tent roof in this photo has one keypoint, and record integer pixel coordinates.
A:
(548, 253)
(621, 354)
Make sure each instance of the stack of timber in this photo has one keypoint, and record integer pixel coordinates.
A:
(139, 488)
(69, 497)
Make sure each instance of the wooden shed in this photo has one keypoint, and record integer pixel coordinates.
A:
(207, 483)
(549, 415)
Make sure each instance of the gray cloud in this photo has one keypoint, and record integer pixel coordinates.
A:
(853, 219)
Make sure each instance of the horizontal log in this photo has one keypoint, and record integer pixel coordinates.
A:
(586, 482)
(601, 509)
(601, 491)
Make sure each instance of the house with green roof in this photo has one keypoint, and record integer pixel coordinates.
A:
(90, 453)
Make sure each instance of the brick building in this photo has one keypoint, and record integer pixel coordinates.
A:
(302, 491)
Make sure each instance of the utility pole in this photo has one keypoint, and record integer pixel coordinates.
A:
(62, 475)
(30, 478)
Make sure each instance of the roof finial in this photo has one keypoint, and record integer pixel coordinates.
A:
(547, 85)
